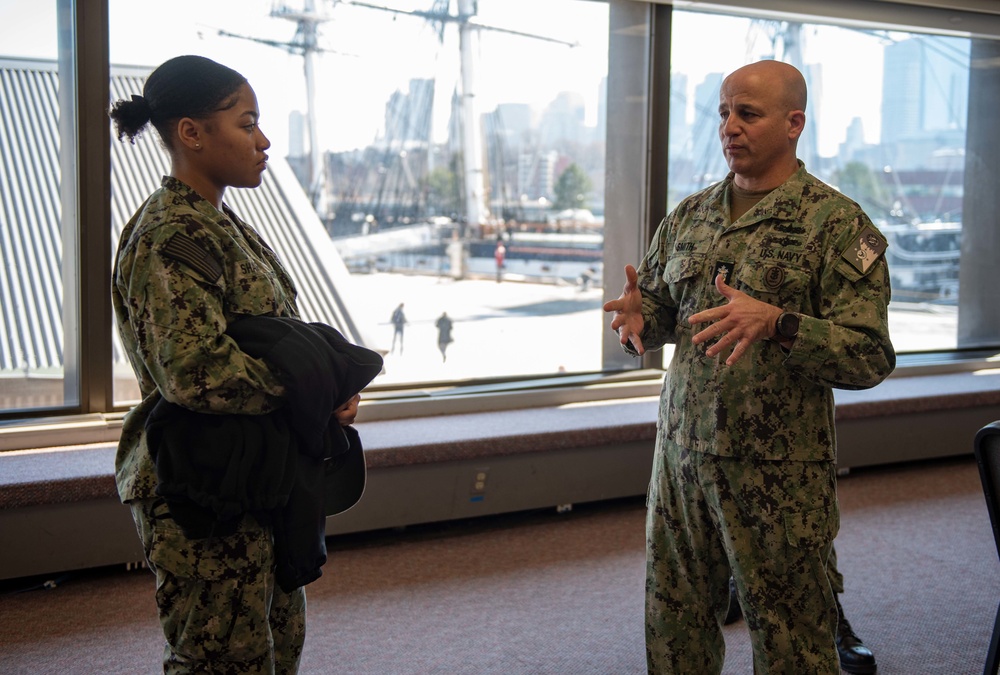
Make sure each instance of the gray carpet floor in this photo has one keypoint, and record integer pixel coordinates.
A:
(545, 593)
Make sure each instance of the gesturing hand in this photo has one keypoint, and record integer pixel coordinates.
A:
(738, 323)
(628, 319)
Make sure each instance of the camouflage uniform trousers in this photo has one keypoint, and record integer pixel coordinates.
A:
(772, 523)
(833, 572)
(221, 611)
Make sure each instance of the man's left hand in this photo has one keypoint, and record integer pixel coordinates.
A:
(739, 323)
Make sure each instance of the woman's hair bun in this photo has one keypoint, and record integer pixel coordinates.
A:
(141, 105)
(130, 116)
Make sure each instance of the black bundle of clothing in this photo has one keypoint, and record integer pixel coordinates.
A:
(214, 469)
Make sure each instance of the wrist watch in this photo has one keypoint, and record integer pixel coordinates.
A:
(787, 326)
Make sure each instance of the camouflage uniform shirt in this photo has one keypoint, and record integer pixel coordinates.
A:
(183, 271)
(805, 248)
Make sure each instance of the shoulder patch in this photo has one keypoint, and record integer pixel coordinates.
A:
(183, 248)
(865, 249)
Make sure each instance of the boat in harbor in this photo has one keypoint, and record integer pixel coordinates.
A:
(428, 248)
(923, 260)
(585, 247)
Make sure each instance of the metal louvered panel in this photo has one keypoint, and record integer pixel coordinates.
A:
(32, 240)
(30, 213)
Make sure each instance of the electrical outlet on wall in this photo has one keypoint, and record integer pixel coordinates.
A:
(477, 493)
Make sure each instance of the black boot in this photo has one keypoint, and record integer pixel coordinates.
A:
(855, 658)
(735, 611)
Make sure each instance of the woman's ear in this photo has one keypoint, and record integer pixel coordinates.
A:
(189, 133)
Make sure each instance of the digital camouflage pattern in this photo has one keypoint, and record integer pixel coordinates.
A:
(227, 616)
(833, 572)
(772, 524)
(184, 271)
(172, 314)
(744, 471)
(795, 250)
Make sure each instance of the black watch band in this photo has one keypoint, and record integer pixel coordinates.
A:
(787, 326)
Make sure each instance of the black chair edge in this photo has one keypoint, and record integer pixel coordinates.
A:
(987, 451)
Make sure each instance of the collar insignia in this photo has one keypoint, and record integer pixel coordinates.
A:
(723, 268)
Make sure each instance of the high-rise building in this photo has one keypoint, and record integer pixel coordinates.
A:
(925, 87)
(602, 109)
(296, 134)
(297, 157)
(706, 152)
(513, 121)
(408, 116)
(807, 147)
(680, 130)
(455, 124)
(506, 131)
(536, 174)
(563, 119)
(854, 142)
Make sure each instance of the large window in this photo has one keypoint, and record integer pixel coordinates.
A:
(419, 142)
(458, 174)
(886, 124)
(39, 355)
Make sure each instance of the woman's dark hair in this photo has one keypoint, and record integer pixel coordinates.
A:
(184, 86)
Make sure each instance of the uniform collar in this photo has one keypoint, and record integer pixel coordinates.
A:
(186, 193)
(782, 203)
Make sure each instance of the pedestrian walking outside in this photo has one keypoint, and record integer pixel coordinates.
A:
(444, 325)
(500, 255)
(398, 321)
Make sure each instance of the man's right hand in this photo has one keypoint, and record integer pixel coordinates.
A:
(628, 321)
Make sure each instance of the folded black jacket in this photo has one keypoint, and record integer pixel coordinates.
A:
(212, 469)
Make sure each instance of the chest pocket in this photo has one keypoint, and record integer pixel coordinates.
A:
(779, 285)
(688, 284)
(253, 289)
(681, 269)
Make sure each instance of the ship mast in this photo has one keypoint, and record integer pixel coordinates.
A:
(476, 211)
(474, 184)
(305, 44)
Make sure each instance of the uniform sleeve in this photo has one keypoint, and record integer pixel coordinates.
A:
(177, 313)
(846, 344)
(659, 310)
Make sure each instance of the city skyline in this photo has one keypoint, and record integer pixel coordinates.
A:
(277, 76)
(354, 63)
